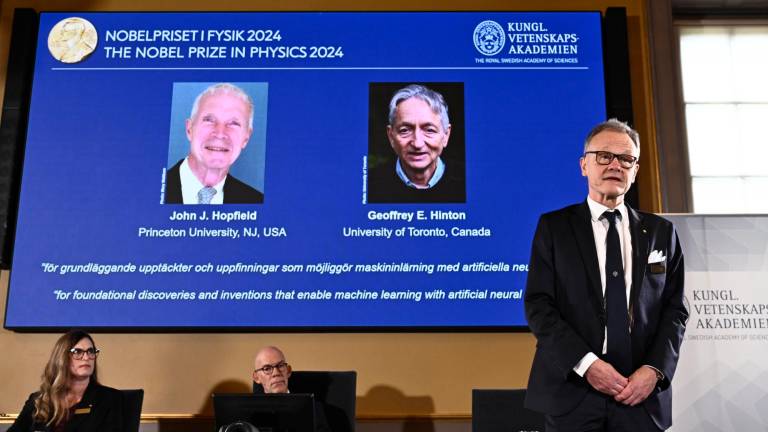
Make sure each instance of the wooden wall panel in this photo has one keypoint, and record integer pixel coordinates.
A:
(400, 374)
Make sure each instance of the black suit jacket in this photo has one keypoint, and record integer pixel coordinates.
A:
(235, 191)
(100, 410)
(564, 307)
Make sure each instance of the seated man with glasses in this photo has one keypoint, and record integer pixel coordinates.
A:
(272, 372)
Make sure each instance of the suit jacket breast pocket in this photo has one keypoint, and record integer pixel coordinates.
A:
(657, 268)
(655, 279)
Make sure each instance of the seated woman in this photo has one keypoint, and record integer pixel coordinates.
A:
(70, 398)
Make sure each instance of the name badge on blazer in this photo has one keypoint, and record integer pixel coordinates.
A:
(86, 410)
(657, 268)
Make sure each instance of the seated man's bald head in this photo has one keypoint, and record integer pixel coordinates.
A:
(271, 370)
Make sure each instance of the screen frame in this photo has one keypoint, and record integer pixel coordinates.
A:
(618, 103)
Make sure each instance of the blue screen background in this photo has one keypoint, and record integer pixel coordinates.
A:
(98, 142)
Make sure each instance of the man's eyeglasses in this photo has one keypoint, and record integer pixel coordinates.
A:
(268, 369)
(605, 158)
(78, 354)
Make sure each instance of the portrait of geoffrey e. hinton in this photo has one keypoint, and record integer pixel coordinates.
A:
(416, 143)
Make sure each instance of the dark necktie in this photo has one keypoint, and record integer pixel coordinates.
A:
(619, 343)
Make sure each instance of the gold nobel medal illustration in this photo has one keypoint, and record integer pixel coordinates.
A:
(72, 39)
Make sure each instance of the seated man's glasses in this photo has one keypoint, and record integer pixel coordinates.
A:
(605, 158)
(268, 369)
(78, 354)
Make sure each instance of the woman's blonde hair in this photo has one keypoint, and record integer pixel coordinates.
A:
(51, 405)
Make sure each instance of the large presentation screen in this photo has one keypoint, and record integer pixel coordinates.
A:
(297, 170)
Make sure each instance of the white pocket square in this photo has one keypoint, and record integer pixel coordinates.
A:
(656, 256)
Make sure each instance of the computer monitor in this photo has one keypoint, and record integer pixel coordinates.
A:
(503, 411)
(267, 412)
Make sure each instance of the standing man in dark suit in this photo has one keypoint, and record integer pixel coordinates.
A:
(218, 129)
(604, 298)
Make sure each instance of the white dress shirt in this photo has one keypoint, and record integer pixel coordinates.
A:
(190, 186)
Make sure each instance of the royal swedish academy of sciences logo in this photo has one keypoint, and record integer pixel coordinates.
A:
(489, 38)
